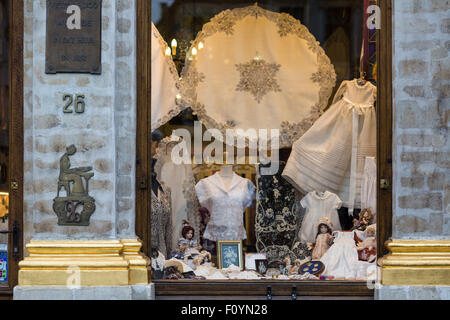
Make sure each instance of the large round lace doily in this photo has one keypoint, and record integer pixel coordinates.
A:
(258, 70)
(165, 83)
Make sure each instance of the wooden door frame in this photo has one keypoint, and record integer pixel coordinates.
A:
(143, 129)
(384, 122)
(384, 126)
(16, 136)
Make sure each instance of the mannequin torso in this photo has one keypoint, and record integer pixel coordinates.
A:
(226, 173)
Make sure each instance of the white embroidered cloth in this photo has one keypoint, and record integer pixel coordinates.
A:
(165, 83)
(257, 70)
(226, 206)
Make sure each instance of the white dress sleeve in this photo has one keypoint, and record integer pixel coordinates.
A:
(340, 92)
(337, 203)
(305, 203)
(250, 196)
(202, 193)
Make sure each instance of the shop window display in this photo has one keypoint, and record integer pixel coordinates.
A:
(300, 67)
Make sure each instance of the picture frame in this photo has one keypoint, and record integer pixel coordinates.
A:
(229, 252)
(262, 265)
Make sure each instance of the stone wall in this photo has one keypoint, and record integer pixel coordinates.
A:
(421, 88)
(104, 135)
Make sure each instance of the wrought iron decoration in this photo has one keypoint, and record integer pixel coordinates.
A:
(77, 206)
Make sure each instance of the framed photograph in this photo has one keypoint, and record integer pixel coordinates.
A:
(229, 252)
(262, 265)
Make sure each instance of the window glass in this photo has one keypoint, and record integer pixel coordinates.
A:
(303, 220)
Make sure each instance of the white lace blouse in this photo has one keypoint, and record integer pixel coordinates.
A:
(226, 206)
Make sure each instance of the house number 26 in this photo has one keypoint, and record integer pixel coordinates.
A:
(77, 102)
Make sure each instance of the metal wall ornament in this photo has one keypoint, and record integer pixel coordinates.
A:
(257, 69)
(76, 208)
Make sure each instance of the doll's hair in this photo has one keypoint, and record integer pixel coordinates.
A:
(186, 229)
(364, 212)
(327, 226)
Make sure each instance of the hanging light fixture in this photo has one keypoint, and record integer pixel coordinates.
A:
(174, 45)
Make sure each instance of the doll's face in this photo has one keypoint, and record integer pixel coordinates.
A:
(189, 234)
(366, 216)
(323, 229)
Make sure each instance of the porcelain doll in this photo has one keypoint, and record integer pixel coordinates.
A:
(365, 220)
(324, 239)
(367, 249)
(203, 258)
(188, 247)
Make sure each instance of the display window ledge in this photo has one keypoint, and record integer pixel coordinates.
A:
(260, 289)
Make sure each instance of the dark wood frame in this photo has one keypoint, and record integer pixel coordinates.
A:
(249, 288)
(143, 132)
(384, 125)
(16, 137)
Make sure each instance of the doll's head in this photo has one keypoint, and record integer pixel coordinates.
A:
(187, 232)
(366, 216)
(371, 230)
(325, 226)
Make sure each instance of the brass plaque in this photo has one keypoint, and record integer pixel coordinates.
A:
(74, 29)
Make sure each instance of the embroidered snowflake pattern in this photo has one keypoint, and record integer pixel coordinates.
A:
(258, 78)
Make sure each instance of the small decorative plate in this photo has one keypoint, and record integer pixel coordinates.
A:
(312, 267)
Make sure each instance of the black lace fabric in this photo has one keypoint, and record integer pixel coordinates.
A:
(278, 218)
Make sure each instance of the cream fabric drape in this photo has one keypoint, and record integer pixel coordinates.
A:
(165, 83)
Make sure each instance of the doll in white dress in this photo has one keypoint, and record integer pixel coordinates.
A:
(319, 205)
(324, 239)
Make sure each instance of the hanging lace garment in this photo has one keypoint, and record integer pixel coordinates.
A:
(278, 217)
(180, 179)
(331, 155)
(165, 83)
(160, 221)
(252, 62)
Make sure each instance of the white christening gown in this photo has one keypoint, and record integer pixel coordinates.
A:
(341, 259)
(331, 154)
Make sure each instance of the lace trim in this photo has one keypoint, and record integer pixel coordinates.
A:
(288, 25)
(178, 105)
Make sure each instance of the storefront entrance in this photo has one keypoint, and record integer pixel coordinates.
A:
(11, 143)
(270, 288)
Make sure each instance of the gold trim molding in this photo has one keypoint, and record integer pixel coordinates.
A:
(416, 262)
(84, 263)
